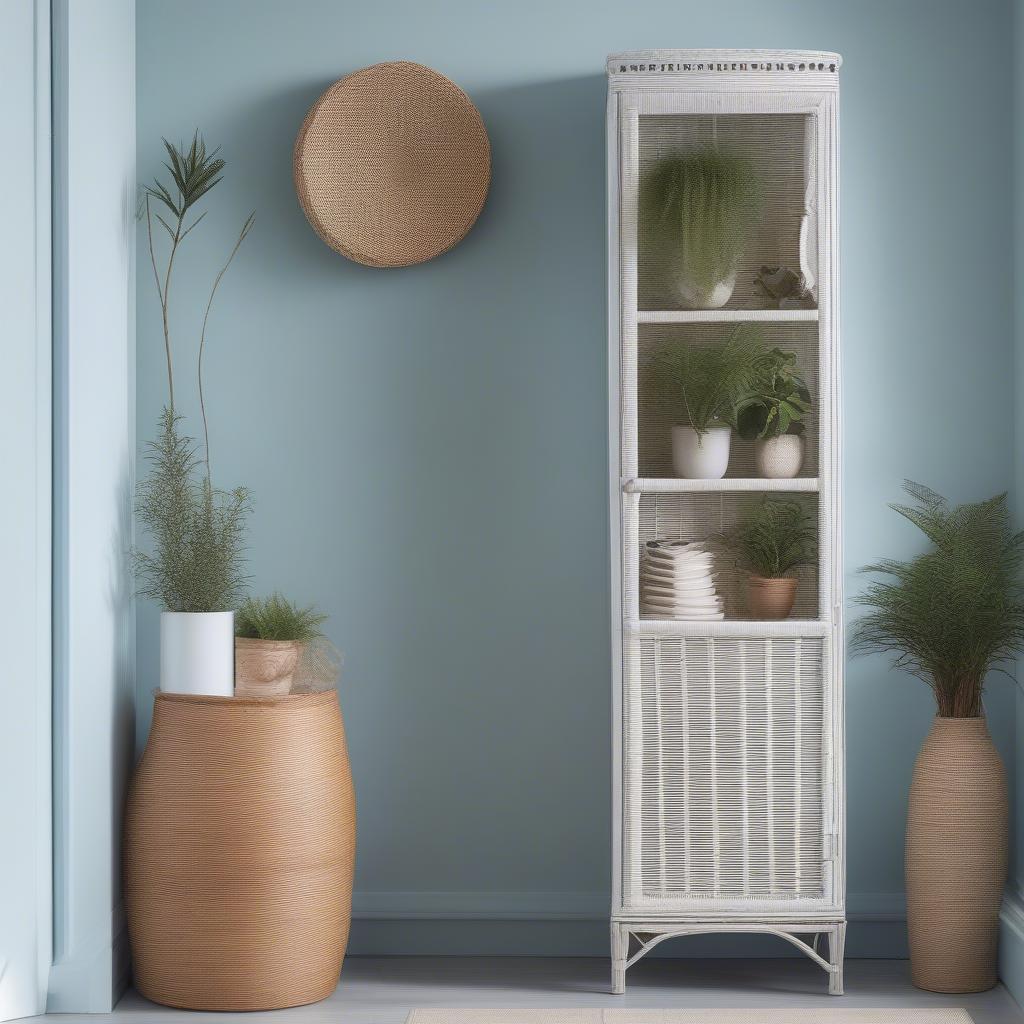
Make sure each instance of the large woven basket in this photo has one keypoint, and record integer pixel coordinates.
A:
(956, 857)
(239, 849)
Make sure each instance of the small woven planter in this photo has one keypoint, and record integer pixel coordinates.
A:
(239, 848)
(264, 668)
(956, 857)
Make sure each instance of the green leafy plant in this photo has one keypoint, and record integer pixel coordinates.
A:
(778, 400)
(277, 618)
(955, 612)
(194, 172)
(778, 537)
(196, 563)
(710, 381)
(706, 202)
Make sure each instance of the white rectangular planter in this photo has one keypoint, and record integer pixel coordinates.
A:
(197, 653)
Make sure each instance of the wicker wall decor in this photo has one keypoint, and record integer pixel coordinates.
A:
(239, 849)
(392, 165)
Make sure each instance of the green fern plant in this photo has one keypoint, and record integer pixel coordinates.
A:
(277, 618)
(777, 537)
(705, 202)
(955, 612)
(198, 533)
(778, 400)
(708, 382)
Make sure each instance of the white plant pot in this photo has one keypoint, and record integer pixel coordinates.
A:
(779, 458)
(695, 296)
(697, 457)
(197, 653)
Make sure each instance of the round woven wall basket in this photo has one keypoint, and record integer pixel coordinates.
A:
(239, 847)
(392, 165)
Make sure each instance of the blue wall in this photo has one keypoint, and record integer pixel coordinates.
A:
(427, 446)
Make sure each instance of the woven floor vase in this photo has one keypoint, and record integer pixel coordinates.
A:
(956, 857)
(239, 848)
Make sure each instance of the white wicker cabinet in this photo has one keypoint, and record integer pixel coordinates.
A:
(728, 735)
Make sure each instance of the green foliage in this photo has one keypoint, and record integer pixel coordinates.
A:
(710, 381)
(955, 612)
(706, 202)
(197, 532)
(193, 173)
(276, 618)
(778, 401)
(776, 538)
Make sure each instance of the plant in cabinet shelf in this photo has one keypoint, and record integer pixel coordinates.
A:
(270, 635)
(195, 565)
(700, 207)
(778, 537)
(709, 381)
(772, 414)
(950, 616)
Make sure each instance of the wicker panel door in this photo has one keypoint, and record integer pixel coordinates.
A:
(728, 783)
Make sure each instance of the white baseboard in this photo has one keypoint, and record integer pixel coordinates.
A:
(1011, 944)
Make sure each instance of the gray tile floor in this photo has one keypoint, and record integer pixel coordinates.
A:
(383, 990)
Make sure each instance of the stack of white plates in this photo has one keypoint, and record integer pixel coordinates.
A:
(677, 581)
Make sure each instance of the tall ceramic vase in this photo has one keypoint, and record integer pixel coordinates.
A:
(956, 857)
(239, 845)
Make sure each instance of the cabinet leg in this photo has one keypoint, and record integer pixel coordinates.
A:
(620, 947)
(836, 948)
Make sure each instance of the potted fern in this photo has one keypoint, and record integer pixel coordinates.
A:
(772, 416)
(707, 383)
(778, 537)
(194, 568)
(270, 634)
(950, 616)
(701, 206)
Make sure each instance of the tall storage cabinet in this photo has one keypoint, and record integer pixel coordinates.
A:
(728, 733)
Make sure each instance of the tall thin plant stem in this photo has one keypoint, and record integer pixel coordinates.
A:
(163, 298)
(202, 337)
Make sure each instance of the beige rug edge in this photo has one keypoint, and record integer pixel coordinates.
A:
(838, 1015)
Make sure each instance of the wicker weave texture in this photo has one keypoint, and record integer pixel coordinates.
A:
(239, 849)
(956, 857)
(725, 769)
(392, 165)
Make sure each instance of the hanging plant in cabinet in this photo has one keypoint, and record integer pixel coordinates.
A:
(699, 209)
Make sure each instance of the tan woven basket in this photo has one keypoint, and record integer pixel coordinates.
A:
(392, 165)
(956, 857)
(239, 849)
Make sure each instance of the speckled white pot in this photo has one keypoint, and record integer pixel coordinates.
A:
(695, 296)
(779, 458)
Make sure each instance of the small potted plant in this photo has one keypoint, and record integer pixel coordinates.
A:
(701, 206)
(772, 414)
(708, 381)
(778, 537)
(270, 634)
(195, 568)
(949, 616)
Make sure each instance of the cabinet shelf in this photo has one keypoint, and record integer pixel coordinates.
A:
(749, 628)
(725, 316)
(670, 485)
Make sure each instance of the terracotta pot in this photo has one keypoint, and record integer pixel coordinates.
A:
(264, 668)
(956, 857)
(239, 845)
(770, 598)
